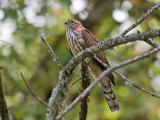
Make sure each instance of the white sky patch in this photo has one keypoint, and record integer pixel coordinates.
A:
(40, 21)
(51, 21)
(125, 24)
(36, 4)
(6, 30)
(20, 15)
(156, 63)
(77, 6)
(155, 78)
(156, 83)
(83, 15)
(141, 47)
(2, 14)
(120, 15)
(4, 4)
(126, 5)
(30, 14)
(31, 11)
(55, 5)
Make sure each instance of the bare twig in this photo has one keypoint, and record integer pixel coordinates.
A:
(141, 19)
(149, 41)
(84, 84)
(75, 82)
(52, 53)
(134, 85)
(3, 104)
(6, 42)
(126, 79)
(34, 94)
(152, 43)
(86, 91)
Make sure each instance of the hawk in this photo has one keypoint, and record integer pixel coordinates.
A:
(79, 38)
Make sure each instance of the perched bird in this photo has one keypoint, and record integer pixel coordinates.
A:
(79, 38)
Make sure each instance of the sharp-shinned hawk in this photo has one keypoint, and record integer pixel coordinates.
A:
(79, 38)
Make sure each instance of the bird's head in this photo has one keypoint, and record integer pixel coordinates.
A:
(73, 24)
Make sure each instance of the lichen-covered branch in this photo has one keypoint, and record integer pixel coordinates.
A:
(84, 84)
(59, 93)
(3, 104)
(86, 91)
(108, 44)
(152, 43)
(130, 83)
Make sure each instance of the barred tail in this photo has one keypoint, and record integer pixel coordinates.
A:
(105, 84)
(109, 95)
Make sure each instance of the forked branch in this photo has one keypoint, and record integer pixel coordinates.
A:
(86, 91)
(59, 93)
(148, 13)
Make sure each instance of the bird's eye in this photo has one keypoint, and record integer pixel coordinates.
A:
(72, 22)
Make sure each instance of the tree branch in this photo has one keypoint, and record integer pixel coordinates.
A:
(34, 94)
(75, 82)
(152, 43)
(108, 44)
(126, 79)
(149, 12)
(149, 41)
(6, 43)
(86, 91)
(52, 53)
(84, 84)
(59, 93)
(3, 104)
(136, 86)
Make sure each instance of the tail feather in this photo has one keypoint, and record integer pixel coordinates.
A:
(105, 84)
(109, 95)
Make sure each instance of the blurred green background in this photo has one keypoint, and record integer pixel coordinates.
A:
(22, 22)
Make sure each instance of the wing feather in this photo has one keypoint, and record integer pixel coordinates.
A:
(91, 40)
